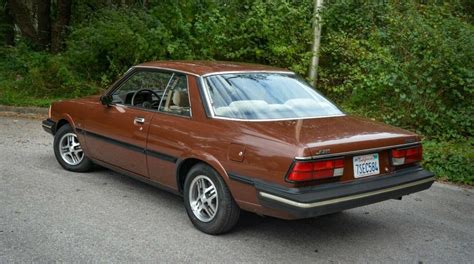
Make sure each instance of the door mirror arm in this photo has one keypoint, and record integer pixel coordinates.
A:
(106, 100)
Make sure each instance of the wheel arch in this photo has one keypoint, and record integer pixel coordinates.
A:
(63, 120)
(184, 165)
(60, 123)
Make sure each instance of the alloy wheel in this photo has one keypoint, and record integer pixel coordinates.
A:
(70, 149)
(203, 198)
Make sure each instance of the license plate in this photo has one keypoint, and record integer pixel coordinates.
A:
(366, 165)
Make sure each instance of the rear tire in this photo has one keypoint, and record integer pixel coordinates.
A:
(68, 150)
(208, 201)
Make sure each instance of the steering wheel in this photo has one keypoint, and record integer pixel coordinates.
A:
(141, 91)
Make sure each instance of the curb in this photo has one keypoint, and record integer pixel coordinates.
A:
(24, 110)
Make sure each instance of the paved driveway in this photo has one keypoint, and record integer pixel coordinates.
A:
(48, 214)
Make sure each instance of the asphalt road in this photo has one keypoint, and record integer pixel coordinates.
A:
(50, 215)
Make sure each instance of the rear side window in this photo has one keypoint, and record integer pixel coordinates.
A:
(176, 97)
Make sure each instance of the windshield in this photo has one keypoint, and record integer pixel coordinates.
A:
(255, 96)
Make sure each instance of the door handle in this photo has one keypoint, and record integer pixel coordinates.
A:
(139, 120)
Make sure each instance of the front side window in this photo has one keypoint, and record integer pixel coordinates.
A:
(143, 89)
(162, 91)
(254, 96)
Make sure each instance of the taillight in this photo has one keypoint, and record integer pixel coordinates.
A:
(407, 155)
(315, 170)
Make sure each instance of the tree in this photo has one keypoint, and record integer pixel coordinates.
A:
(313, 71)
(59, 26)
(23, 19)
(7, 26)
(43, 9)
(37, 24)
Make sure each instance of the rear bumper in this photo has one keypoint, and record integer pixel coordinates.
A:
(325, 199)
(49, 126)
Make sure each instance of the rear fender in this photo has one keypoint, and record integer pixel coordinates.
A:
(207, 158)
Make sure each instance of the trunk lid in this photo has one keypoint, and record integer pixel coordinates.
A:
(351, 134)
(331, 134)
(348, 136)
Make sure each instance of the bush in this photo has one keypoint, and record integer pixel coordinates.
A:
(407, 64)
(270, 32)
(275, 32)
(30, 77)
(450, 161)
(105, 47)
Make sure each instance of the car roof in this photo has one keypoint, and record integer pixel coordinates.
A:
(208, 67)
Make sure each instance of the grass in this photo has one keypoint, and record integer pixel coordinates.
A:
(18, 100)
(14, 97)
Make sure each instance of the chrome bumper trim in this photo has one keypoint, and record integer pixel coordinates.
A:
(46, 126)
(345, 198)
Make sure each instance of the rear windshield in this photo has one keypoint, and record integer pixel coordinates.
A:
(255, 96)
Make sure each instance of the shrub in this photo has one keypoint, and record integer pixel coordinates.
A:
(450, 161)
(405, 63)
(28, 75)
(105, 47)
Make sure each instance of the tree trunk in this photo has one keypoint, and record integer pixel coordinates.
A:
(7, 26)
(44, 23)
(23, 19)
(39, 35)
(313, 71)
(60, 25)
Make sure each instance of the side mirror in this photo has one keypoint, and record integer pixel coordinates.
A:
(106, 100)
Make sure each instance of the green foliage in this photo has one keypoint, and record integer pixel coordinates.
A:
(407, 64)
(109, 44)
(276, 32)
(450, 161)
(29, 77)
(270, 32)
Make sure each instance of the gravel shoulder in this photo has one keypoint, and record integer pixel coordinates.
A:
(48, 214)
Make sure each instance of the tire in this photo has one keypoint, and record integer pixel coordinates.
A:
(69, 153)
(213, 216)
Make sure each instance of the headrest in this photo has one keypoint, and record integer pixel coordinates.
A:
(180, 98)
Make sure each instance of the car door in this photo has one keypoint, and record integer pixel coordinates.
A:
(169, 135)
(117, 134)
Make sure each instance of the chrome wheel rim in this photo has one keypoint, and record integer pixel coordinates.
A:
(203, 198)
(70, 149)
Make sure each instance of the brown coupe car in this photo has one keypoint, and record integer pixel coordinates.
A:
(229, 136)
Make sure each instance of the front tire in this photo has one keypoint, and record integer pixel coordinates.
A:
(68, 150)
(208, 201)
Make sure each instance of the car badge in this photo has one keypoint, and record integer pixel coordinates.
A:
(323, 151)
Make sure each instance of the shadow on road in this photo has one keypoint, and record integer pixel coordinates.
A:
(342, 225)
